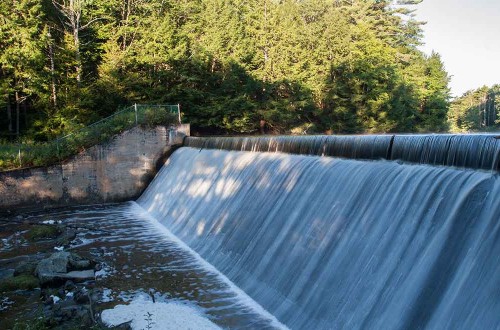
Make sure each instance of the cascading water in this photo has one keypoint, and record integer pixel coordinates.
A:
(332, 243)
(471, 151)
(478, 151)
(346, 146)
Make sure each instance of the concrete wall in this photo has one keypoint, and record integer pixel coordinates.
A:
(114, 172)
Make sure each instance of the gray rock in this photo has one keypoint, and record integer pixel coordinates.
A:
(26, 268)
(78, 263)
(74, 276)
(80, 275)
(55, 268)
(69, 286)
(81, 297)
(6, 273)
(54, 265)
(66, 238)
(123, 326)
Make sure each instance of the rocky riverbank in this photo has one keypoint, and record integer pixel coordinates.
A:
(65, 268)
(44, 286)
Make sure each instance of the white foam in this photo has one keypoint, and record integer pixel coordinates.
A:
(5, 303)
(102, 273)
(241, 295)
(107, 295)
(162, 316)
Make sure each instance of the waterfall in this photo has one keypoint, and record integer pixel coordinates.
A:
(346, 146)
(326, 243)
(477, 151)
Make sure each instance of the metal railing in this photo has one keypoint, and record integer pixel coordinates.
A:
(39, 154)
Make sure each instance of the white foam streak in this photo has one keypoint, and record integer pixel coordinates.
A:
(242, 297)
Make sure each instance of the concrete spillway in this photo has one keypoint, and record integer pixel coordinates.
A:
(480, 151)
(334, 243)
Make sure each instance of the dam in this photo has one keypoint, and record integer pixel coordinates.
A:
(325, 242)
(377, 232)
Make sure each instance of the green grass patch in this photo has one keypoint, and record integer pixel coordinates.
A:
(39, 323)
(44, 154)
(39, 232)
(21, 282)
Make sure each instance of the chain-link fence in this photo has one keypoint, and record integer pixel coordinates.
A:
(40, 154)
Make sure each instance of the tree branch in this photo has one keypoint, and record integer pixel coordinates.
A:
(81, 28)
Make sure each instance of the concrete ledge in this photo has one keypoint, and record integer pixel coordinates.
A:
(117, 171)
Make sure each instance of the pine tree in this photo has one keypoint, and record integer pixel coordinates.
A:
(22, 40)
(476, 110)
(236, 66)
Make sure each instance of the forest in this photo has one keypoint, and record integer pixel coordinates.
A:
(234, 66)
(476, 110)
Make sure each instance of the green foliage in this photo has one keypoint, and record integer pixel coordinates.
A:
(21, 282)
(336, 66)
(47, 153)
(40, 232)
(476, 110)
(36, 324)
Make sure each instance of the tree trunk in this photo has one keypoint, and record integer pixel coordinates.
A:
(266, 42)
(491, 108)
(262, 126)
(212, 68)
(72, 12)
(494, 108)
(52, 74)
(25, 114)
(9, 113)
(17, 114)
(127, 10)
(77, 55)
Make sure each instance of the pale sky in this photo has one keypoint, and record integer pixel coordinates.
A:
(466, 33)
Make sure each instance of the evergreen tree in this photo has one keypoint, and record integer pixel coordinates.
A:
(235, 66)
(22, 40)
(434, 106)
(476, 110)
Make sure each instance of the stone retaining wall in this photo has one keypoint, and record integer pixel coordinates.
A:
(117, 171)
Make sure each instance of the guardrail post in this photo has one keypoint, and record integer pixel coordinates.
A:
(179, 112)
(172, 133)
(135, 109)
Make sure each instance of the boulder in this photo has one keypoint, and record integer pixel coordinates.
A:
(80, 275)
(25, 268)
(48, 268)
(69, 286)
(62, 266)
(81, 297)
(6, 273)
(78, 263)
